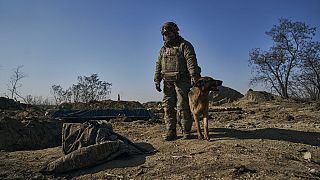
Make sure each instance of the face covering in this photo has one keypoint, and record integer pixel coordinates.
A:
(171, 39)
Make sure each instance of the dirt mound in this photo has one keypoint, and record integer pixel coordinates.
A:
(107, 104)
(26, 127)
(272, 140)
(156, 110)
(6, 103)
(256, 97)
(153, 105)
(29, 134)
(224, 95)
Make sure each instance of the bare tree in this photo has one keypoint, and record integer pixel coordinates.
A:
(309, 76)
(87, 89)
(37, 100)
(275, 67)
(60, 95)
(14, 83)
(91, 88)
(76, 92)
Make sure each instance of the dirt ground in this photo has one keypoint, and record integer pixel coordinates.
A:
(271, 140)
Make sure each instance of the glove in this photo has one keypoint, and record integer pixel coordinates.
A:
(157, 84)
(194, 79)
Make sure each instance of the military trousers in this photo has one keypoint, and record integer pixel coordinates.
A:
(176, 98)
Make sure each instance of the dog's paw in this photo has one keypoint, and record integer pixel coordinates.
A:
(200, 137)
(206, 137)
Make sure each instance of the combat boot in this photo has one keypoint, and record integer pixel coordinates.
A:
(186, 122)
(171, 135)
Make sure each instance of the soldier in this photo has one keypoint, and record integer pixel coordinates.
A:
(177, 66)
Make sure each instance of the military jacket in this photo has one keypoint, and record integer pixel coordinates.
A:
(176, 62)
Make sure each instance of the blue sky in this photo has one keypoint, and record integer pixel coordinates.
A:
(58, 40)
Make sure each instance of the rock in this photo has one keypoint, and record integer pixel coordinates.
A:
(312, 156)
(289, 118)
(229, 125)
(315, 156)
(312, 171)
(242, 169)
(307, 156)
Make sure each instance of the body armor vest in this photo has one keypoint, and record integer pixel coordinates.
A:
(173, 64)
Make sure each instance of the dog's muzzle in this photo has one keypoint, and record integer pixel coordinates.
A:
(213, 88)
(215, 84)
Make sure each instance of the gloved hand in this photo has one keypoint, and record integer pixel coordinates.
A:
(157, 84)
(194, 79)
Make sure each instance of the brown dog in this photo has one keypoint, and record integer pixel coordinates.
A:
(199, 102)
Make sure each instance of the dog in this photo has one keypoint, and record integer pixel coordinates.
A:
(199, 102)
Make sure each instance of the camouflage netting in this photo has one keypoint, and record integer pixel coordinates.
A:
(86, 157)
(102, 110)
(77, 135)
(87, 145)
(107, 104)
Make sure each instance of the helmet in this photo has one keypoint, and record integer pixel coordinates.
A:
(169, 27)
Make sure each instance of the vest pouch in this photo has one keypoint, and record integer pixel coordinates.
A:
(171, 76)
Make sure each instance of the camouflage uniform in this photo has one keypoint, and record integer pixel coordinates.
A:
(176, 64)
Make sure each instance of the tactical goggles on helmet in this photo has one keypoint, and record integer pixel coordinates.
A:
(167, 32)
